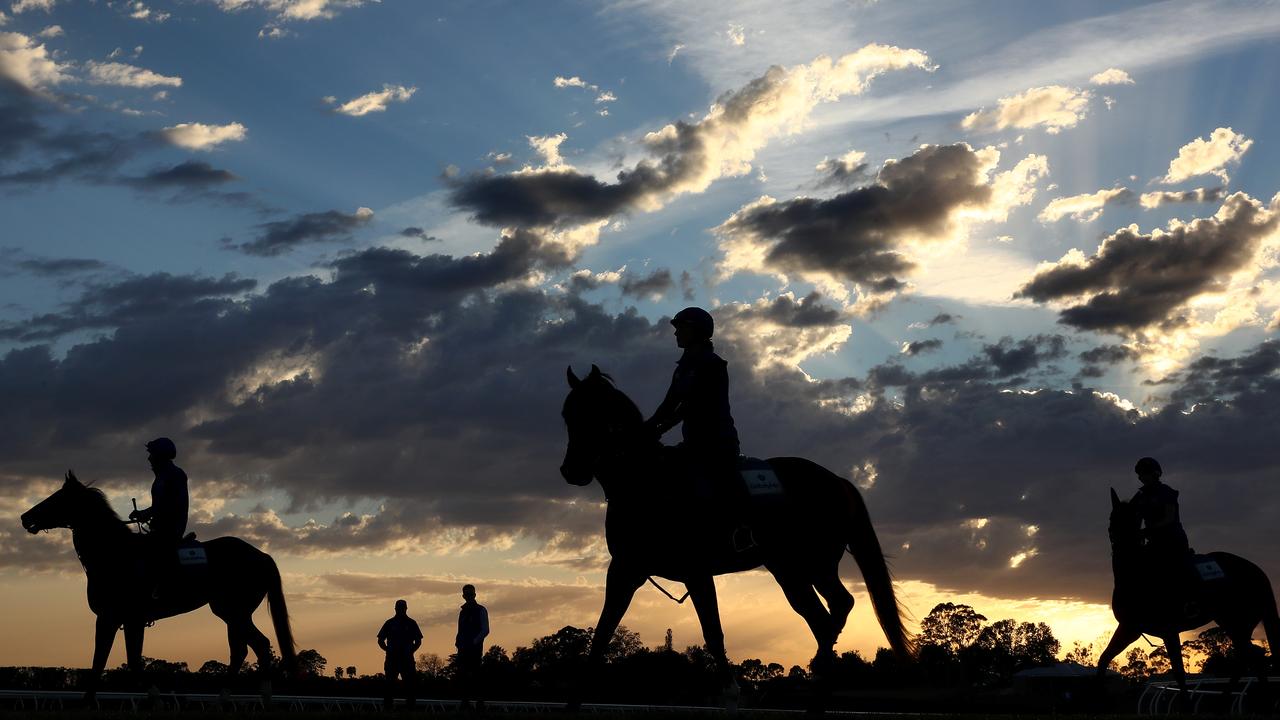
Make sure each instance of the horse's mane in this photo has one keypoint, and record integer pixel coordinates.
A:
(617, 403)
(98, 498)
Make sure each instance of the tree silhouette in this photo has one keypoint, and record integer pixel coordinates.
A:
(951, 627)
(311, 662)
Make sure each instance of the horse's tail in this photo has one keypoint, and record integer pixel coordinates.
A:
(865, 547)
(280, 615)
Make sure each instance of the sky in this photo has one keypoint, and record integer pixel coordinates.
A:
(977, 257)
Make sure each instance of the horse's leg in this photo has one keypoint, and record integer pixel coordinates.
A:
(804, 601)
(262, 650)
(104, 636)
(133, 631)
(1123, 637)
(839, 599)
(620, 585)
(702, 591)
(1173, 646)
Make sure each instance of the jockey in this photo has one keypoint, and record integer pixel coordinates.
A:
(167, 516)
(1157, 505)
(1163, 537)
(699, 400)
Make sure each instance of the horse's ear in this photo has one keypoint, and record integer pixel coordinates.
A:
(595, 371)
(1115, 499)
(71, 478)
(573, 379)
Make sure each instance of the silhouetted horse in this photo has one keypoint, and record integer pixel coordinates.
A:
(233, 584)
(1237, 601)
(653, 526)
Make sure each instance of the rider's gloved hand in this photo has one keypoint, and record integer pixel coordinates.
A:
(135, 514)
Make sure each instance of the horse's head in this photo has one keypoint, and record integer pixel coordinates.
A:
(595, 412)
(65, 508)
(1125, 523)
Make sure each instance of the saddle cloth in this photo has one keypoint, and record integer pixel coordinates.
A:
(759, 478)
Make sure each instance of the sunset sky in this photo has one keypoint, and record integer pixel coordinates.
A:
(978, 257)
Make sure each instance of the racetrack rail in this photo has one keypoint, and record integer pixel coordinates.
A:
(58, 700)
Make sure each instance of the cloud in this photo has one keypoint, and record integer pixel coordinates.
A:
(199, 136)
(188, 175)
(138, 10)
(419, 233)
(52, 31)
(606, 97)
(549, 148)
(575, 81)
(654, 284)
(396, 373)
(675, 50)
(736, 34)
(376, 101)
(44, 266)
(21, 6)
(920, 347)
(1208, 157)
(866, 235)
(1156, 199)
(842, 171)
(4, 19)
(1111, 76)
(114, 73)
(1085, 207)
(1136, 280)
(683, 157)
(291, 10)
(1053, 107)
(282, 236)
(29, 64)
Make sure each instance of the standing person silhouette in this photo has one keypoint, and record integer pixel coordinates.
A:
(1162, 532)
(698, 400)
(167, 516)
(400, 638)
(473, 628)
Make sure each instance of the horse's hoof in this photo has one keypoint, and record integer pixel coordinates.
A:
(265, 690)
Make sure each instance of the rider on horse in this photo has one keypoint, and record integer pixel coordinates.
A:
(1162, 533)
(167, 516)
(698, 399)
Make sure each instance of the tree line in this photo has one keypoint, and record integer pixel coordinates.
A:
(959, 648)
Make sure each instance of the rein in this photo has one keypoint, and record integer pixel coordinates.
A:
(679, 601)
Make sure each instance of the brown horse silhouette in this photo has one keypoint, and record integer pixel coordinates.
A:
(1237, 601)
(653, 528)
(237, 578)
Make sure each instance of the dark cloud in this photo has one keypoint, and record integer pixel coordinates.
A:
(942, 319)
(42, 144)
(686, 286)
(1211, 379)
(122, 303)
(417, 232)
(841, 172)
(656, 282)
(784, 310)
(192, 174)
(920, 347)
(1169, 197)
(1108, 354)
(1004, 362)
(1137, 280)
(856, 235)
(13, 260)
(432, 384)
(282, 236)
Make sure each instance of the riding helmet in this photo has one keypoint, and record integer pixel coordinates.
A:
(163, 448)
(697, 319)
(1148, 466)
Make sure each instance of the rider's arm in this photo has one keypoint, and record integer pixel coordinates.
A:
(671, 411)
